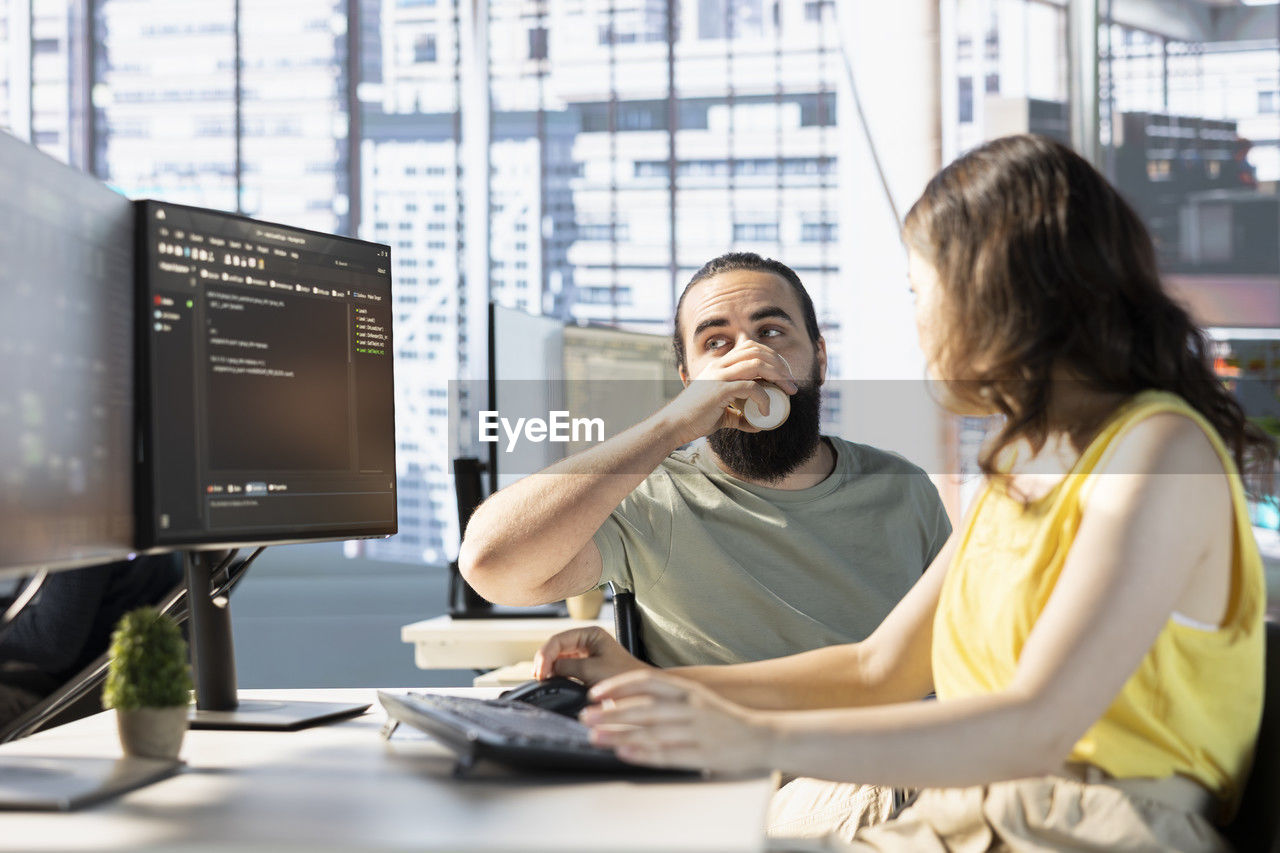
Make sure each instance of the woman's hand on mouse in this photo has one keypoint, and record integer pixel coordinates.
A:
(654, 718)
(587, 654)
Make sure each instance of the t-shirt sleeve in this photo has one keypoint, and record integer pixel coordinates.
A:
(635, 540)
(937, 522)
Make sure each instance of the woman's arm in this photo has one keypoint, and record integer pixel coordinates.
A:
(892, 665)
(1148, 528)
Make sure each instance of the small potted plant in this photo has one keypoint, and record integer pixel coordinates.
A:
(149, 684)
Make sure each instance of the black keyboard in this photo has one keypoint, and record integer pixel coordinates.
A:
(508, 732)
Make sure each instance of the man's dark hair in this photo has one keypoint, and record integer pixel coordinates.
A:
(731, 261)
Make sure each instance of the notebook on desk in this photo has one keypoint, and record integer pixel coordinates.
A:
(60, 783)
(507, 732)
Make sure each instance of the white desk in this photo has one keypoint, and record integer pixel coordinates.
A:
(341, 787)
(446, 643)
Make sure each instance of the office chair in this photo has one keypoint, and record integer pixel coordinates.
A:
(80, 695)
(13, 605)
(1256, 826)
(626, 623)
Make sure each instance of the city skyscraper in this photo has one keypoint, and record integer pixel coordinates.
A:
(629, 141)
(618, 166)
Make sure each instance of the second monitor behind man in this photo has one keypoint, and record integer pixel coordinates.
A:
(747, 545)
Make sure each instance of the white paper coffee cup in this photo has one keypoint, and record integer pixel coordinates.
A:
(779, 408)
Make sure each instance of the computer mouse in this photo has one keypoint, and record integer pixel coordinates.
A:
(559, 694)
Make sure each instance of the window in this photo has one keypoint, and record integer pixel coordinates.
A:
(630, 115)
(424, 48)
(755, 232)
(569, 178)
(818, 232)
(813, 9)
(538, 43)
(818, 110)
(605, 231)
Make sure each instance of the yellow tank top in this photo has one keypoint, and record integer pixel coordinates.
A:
(1194, 704)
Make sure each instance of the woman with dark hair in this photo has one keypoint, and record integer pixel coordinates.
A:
(1093, 630)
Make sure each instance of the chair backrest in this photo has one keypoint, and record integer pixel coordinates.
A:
(626, 624)
(1257, 824)
(78, 697)
(81, 695)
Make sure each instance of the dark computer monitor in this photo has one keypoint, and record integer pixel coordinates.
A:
(538, 365)
(266, 413)
(66, 389)
(265, 408)
(66, 412)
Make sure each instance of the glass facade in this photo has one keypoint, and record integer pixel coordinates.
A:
(1189, 131)
(629, 142)
(1192, 137)
(164, 99)
(293, 104)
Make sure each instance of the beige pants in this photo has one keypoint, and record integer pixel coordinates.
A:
(1042, 814)
(815, 808)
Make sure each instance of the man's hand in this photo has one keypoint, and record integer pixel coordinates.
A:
(587, 654)
(703, 406)
(653, 718)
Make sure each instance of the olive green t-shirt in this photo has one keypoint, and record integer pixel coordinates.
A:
(725, 571)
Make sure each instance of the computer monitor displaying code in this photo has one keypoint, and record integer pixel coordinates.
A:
(267, 414)
(66, 339)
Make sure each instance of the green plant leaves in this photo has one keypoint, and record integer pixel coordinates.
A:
(148, 666)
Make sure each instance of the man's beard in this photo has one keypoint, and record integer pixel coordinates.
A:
(769, 456)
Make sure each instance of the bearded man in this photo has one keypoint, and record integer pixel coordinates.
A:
(746, 545)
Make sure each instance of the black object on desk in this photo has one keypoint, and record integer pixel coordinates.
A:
(562, 695)
(465, 602)
(513, 733)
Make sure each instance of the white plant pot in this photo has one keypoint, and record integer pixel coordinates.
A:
(152, 732)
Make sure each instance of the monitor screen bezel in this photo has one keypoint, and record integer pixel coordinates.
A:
(147, 536)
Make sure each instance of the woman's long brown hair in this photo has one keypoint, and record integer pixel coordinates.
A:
(1044, 268)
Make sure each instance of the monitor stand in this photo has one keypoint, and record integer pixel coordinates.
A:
(214, 668)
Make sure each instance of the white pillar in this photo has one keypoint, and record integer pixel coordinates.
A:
(475, 182)
(1082, 83)
(886, 401)
(20, 69)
